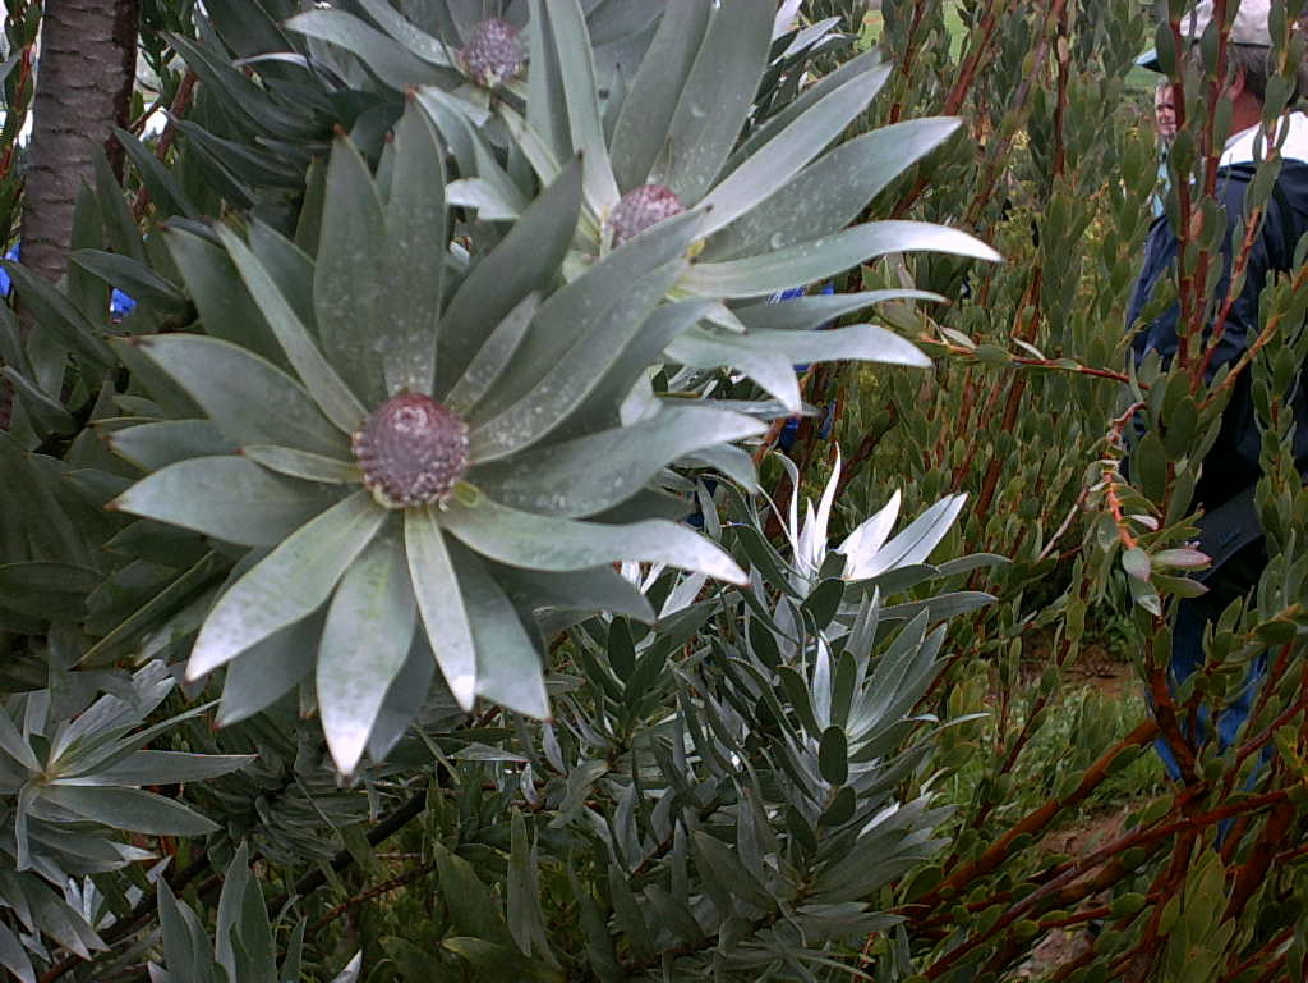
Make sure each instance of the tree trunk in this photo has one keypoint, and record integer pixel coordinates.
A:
(83, 88)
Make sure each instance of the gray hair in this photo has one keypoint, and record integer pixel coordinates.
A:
(1256, 63)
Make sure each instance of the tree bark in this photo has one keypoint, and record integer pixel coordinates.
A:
(84, 83)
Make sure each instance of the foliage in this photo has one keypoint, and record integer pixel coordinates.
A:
(655, 748)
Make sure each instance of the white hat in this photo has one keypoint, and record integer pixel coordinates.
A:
(1250, 27)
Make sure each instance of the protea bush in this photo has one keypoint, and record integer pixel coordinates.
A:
(448, 315)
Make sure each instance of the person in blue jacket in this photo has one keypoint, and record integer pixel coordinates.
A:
(1229, 529)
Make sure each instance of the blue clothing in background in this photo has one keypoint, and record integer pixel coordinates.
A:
(790, 432)
(120, 305)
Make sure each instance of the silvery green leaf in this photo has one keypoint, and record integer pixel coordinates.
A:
(865, 342)
(159, 768)
(594, 590)
(423, 45)
(702, 349)
(641, 131)
(250, 400)
(863, 544)
(777, 161)
(577, 68)
(413, 260)
(717, 97)
(14, 958)
(915, 543)
(541, 543)
(302, 464)
(830, 193)
(385, 58)
(406, 697)
(571, 374)
(722, 864)
(480, 194)
(350, 974)
(808, 262)
(264, 673)
(493, 356)
(373, 601)
(14, 745)
(227, 497)
(336, 401)
(435, 586)
(186, 959)
(939, 608)
(130, 808)
(230, 903)
(526, 260)
(225, 306)
(601, 410)
(56, 314)
(509, 670)
(157, 445)
(732, 462)
(288, 584)
(547, 102)
(804, 313)
(290, 267)
(46, 414)
(809, 97)
(133, 278)
(351, 276)
(589, 474)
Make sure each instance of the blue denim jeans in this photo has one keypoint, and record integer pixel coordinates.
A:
(1193, 615)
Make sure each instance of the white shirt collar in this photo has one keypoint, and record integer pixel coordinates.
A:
(1241, 146)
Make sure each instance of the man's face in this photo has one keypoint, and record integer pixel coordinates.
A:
(1165, 110)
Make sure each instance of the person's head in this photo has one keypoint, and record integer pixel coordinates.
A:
(1165, 110)
(1248, 55)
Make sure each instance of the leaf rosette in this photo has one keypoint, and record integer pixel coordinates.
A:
(419, 451)
(686, 132)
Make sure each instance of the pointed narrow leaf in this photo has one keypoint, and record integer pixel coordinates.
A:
(407, 696)
(351, 278)
(266, 672)
(509, 670)
(642, 127)
(287, 585)
(131, 808)
(493, 356)
(160, 768)
(722, 864)
(413, 267)
(808, 262)
(373, 601)
(702, 349)
(56, 314)
(14, 958)
(572, 377)
(540, 543)
(383, 56)
(718, 95)
(590, 474)
(777, 161)
(423, 45)
(576, 61)
(336, 401)
(440, 603)
(250, 400)
(302, 464)
(830, 193)
(227, 497)
(527, 260)
(805, 313)
(157, 445)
